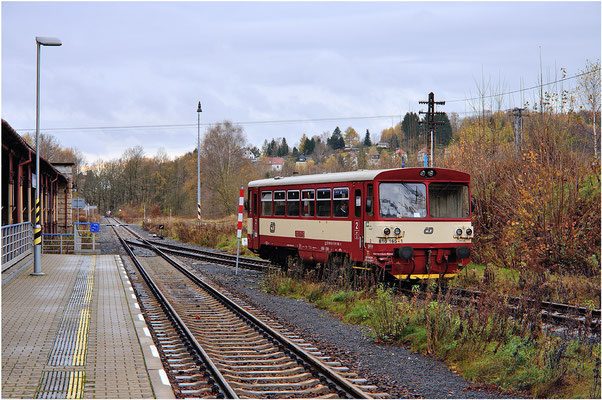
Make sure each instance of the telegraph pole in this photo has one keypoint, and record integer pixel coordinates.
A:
(517, 113)
(430, 119)
(198, 165)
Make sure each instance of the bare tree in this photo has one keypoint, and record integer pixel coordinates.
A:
(222, 151)
(49, 145)
(132, 162)
(589, 93)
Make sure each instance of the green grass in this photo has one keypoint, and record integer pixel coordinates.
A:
(563, 288)
(481, 342)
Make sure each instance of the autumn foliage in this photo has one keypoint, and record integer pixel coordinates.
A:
(538, 202)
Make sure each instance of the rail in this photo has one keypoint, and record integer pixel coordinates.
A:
(346, 387)
(17, 243)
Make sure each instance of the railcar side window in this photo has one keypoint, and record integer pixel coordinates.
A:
(308, 205)
(340, 202)
(358, 203)
(402, 200)
(266, 203)
(254, 203)
(370, 200)
(279, 203)
(448, 200)
(323, 202)
(292, 203)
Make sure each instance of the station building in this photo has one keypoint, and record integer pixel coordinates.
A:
(18, 181)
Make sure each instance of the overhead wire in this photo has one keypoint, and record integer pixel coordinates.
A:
(305, 120)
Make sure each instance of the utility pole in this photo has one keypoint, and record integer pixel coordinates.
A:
(517, 113)
(430, 119)
(198, 165)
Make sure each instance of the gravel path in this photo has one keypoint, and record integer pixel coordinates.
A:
(396, 370)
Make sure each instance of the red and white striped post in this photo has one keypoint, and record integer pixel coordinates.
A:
(239, 231)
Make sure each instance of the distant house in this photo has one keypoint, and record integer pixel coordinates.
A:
(401, 153)
(301, 159)
(249, 154)
(423, 152)
(382, 145)
(275, 163)
(373, 157)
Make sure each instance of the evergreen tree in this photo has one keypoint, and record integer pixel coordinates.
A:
(283, 149)
(367, 141)
(310, 146)
(443, 132)
(411, 126)
(336, 141)
(272, 148)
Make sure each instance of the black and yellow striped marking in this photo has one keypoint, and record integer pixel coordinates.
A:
(198, 210)
(37, 231)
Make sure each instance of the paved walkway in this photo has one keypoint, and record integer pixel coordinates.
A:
(76, 332)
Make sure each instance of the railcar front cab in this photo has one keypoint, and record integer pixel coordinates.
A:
(417, 222)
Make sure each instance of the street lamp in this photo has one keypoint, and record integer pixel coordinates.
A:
(198, 165)
(37, 233)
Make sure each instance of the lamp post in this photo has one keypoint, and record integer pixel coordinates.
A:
(198, 165)
(37, 233)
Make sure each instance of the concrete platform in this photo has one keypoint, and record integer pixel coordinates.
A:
(76, 332)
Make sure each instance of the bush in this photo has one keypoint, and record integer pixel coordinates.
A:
(538, 206)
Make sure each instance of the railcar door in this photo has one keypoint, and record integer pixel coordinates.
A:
(255, 208)
(357, 227)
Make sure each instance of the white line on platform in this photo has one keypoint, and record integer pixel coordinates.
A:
(164, 379)
(140, 317)
(146, 331)
(154, 351)
(137, 306)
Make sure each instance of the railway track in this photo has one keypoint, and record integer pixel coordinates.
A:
(213, 347)
(553, 313)
(206, 255)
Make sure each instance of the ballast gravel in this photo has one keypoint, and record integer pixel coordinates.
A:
(394, 369)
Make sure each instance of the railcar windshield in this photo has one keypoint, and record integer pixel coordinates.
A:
(449, 200)
(402, 200)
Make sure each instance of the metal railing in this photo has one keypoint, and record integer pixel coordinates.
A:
(85, 241)
(58, 243)
(81, 241)
(17, 242)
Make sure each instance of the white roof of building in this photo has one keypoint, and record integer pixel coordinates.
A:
(361, 175)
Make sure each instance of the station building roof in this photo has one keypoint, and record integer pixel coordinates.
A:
(13, 142)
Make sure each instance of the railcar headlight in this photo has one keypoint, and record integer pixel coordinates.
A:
(468, 231)
(387, 231)
(423, 173)
(430, 173)
(397, 231)
(458, 232)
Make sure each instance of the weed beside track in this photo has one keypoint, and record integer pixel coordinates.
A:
(483, 341)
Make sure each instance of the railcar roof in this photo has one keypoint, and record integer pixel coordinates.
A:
(361, 175)
(351, 176)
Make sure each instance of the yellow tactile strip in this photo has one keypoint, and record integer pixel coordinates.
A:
(71, 344)
(72, 336)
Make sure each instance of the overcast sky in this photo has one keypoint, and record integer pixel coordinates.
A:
(149, 63)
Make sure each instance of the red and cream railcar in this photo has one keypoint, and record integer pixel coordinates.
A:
(412, 222)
